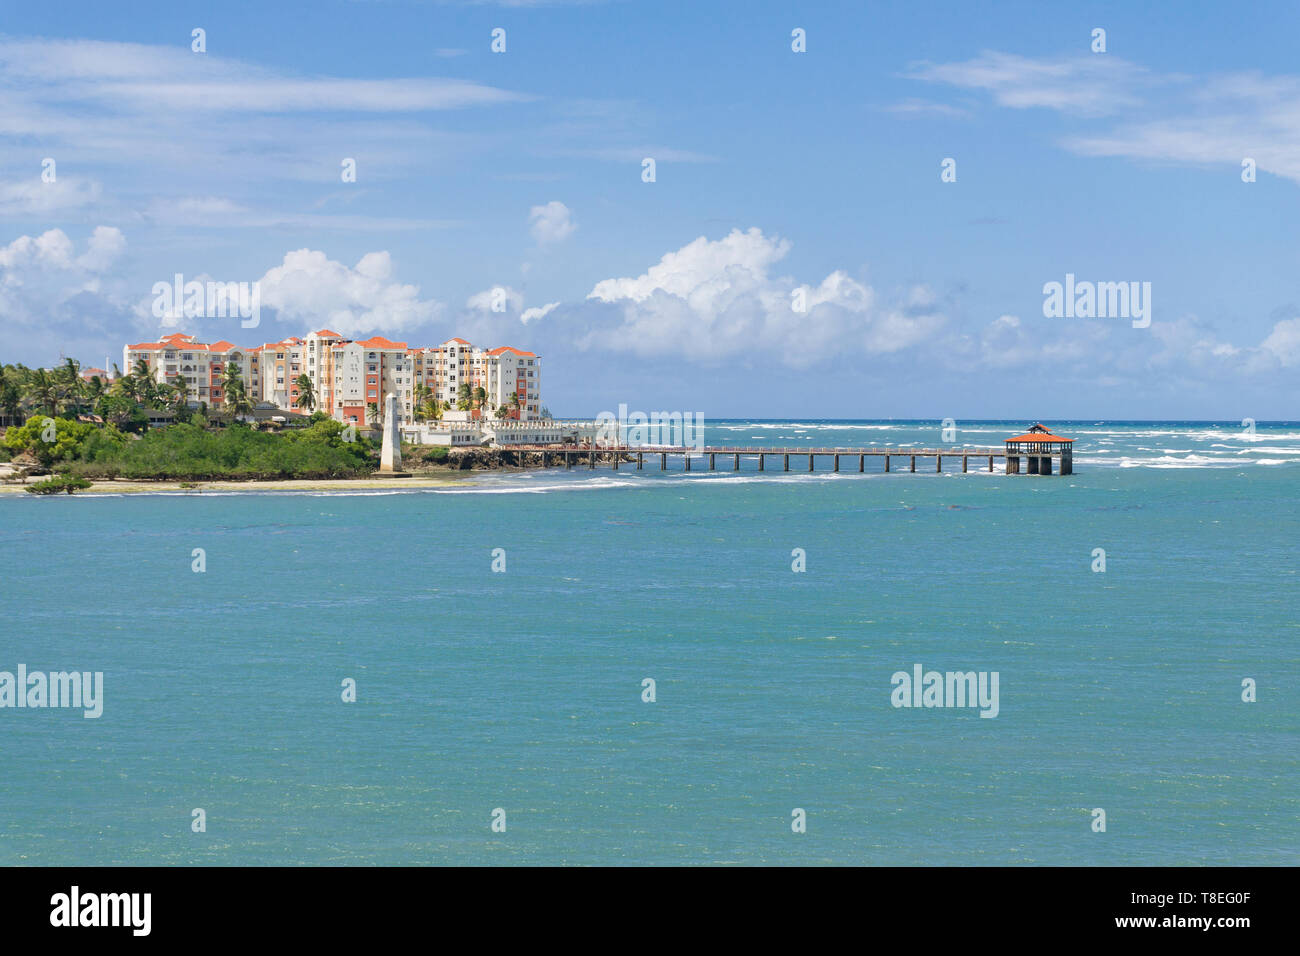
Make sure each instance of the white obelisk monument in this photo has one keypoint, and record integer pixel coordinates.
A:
(390, 455)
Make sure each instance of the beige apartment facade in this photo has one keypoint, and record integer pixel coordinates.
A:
(350, 378)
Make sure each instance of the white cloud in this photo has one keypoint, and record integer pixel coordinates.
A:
(1227, 119)
(1209, 120)
(1088, 84)
(916, 106)
(53, 253)
(33, 197)
(552, 222)
(498, 295)
(166, 124)
(104, 247)
(54, 298)
(715, 299)
(531, 315)
(1284, 342)
(173, 78)
(310, 287)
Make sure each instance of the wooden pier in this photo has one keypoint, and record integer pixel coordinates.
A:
(779, 459)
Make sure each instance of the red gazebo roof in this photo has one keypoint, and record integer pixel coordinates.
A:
(1043, 436)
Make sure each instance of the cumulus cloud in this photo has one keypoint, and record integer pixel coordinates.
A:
(55, 296)
(1284, 342)
(712, 299)
(552, 222)
(531, 315)
(499, 298)
(310, 287)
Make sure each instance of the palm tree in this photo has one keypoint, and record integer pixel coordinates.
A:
(306, 393)
(464, 396)
(231, 380)
(236, 399)
(45, 391)
(95, 393)
(372, 413)
(141, 384)
(420, 399)
(513, 401)
(480, 396)
(502, 411)
(181, 388)
(11, 398)
(74, 384)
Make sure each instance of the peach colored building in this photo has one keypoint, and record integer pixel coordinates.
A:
(200, 364)
(349, 376)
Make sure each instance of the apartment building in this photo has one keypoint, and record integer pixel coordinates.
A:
(349, 377)
(201, 365)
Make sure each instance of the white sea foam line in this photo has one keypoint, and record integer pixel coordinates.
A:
(809, 426)
(586, 484)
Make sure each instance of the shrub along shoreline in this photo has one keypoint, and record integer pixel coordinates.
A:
(189, 452)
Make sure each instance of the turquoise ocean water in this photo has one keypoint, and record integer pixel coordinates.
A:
(522, 690)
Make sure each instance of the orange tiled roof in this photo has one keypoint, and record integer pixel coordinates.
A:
(1039, 436)
(379, 342)
(510, 348)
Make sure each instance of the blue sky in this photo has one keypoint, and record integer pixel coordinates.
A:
(776, 171)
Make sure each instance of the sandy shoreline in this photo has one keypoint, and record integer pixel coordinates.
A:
(342, 484)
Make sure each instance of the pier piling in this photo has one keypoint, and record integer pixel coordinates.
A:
(1021, 456)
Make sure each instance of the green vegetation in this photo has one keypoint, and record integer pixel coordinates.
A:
(59, 483)
(99, 428)
(63, 391)
(184, 451)
(438, 455)
(52, 441)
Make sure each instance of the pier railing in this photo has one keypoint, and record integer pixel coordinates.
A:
(1040, 463)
